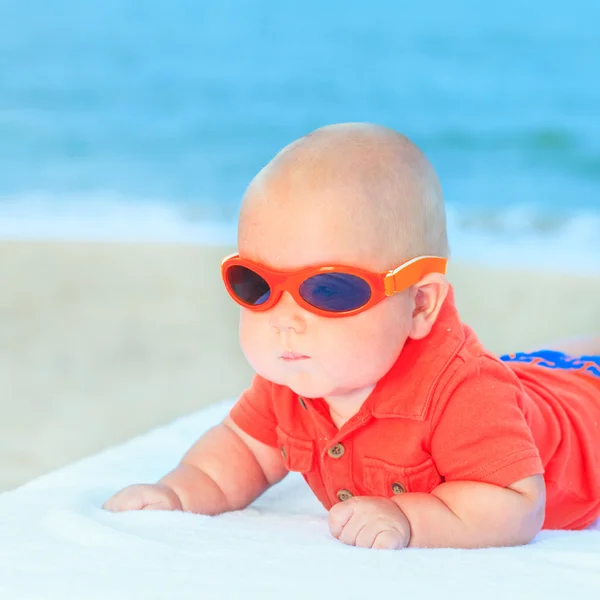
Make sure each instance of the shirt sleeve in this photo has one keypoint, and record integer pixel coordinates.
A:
(254, 414)
(480, 432)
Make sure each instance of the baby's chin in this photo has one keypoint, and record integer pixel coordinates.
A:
(302, 383)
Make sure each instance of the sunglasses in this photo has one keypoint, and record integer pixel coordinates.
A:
(329, 291)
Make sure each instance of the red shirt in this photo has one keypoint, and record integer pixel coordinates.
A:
(447, 410)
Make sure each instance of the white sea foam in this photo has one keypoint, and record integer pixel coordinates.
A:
(518, 237)
(111, 219)
(524, 238)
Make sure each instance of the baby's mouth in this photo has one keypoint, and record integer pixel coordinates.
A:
(293, 356)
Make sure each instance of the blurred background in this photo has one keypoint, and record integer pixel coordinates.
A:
(130, 128)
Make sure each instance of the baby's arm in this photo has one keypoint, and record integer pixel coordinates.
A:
(480, 428)
(458, 514)
(225, 470)
(469, 514)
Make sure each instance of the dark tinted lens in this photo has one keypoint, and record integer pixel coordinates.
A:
(336, 292)
(247, 285)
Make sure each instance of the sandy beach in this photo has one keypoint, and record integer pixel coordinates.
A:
(101, 342)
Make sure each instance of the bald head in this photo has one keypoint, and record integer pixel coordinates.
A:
(368, 174)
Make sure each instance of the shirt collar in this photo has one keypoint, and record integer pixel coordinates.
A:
(406, 390)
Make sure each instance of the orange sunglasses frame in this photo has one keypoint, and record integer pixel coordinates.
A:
(382, 284)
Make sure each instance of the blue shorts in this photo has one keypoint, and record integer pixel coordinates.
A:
(552, 359)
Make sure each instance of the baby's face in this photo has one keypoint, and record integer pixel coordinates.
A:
(313, 355)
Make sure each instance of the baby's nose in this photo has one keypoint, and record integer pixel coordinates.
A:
(286, 314)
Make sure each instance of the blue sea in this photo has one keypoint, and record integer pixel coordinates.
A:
(146, 119)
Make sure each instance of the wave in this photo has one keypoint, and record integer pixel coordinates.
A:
(522, 237)
(109, 219)
(515, 237)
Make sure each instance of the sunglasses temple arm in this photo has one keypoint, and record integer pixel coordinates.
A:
(412, 272)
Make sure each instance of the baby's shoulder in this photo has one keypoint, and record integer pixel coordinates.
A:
(474, 368)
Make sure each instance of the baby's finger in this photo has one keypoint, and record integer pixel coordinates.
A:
(365, 537)
(121, 502)
(160, 504)
(339, 515)
(352, 530)
(388, 540)
(130, 498)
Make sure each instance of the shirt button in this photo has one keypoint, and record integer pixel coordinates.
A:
(344, 495)
(336, 451)
(398, 488)
(302, 403)
(283, 453)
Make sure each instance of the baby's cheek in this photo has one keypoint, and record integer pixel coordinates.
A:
(252, 339)
(351, 361)
(369, 347)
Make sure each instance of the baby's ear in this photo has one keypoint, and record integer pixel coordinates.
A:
(429, 295)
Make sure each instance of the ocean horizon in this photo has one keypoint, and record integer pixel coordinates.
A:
(145, 121)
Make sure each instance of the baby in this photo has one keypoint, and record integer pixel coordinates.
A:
(367, 383)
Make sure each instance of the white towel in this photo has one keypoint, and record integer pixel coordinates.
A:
(56, 542)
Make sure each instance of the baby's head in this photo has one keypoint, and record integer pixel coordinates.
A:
(356, 195)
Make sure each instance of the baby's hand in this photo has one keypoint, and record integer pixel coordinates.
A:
(370, 523)
(144, 497)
